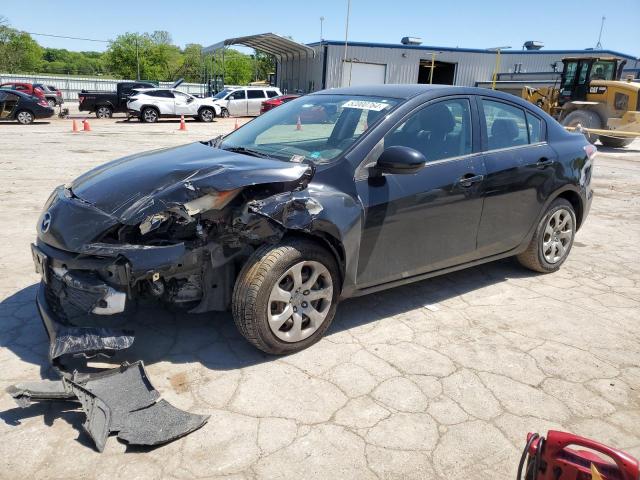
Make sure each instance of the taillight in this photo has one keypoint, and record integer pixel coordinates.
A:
(590, 150)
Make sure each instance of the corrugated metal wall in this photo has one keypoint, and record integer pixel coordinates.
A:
(403, 64)
(71, 86)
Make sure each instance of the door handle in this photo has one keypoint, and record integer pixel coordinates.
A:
(544, 162)
(469, 179)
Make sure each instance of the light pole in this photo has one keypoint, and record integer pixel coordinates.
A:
(321, 22)
(137, 59)
(494, 77)
(346, 39)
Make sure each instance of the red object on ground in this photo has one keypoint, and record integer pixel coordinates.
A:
(298, 124)
(183, 126)
(85, 126)
(236, 125)
(74, 127)
(556, 460)
(27, 88)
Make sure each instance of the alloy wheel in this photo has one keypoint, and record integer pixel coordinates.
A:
(558, 235)
(207, 115)
(300, 301)
(150, 115)
(25, 118)
(103, 112)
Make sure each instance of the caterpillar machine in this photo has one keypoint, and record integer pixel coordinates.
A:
(592, 98)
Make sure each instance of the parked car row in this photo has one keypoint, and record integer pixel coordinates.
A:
(143, 100)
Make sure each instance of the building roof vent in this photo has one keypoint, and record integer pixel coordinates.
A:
(532, 45)
(411, 41)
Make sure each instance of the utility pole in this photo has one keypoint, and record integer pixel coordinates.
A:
(599, 44)
(321, 22)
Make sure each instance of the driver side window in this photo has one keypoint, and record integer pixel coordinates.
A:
(438, 131)
(237, 95)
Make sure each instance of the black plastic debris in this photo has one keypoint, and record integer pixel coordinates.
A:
(121, 400)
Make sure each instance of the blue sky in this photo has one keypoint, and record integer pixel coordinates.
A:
(477, 24)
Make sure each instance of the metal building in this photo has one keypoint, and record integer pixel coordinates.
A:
(367, 63)
(329, 64)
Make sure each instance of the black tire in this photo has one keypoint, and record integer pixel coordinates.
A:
(224, 113)
(585, 118)
(533, 257)
(206, 114)
(52, 103)
(615, 142)
(255, 282)
(104, 111)
(149, 115)
(24, 117)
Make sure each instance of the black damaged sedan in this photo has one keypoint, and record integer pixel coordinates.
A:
(336, 194)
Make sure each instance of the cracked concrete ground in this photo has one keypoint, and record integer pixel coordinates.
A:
(439, 379)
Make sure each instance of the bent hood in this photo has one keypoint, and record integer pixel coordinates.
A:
(134, 187)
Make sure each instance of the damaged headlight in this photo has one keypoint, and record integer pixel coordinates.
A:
(210, 201)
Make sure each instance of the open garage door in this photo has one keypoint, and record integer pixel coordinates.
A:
(357, 73)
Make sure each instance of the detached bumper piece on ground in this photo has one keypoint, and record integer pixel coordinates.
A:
(121, 400)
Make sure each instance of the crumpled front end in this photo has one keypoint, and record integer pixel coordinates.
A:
(180, 244)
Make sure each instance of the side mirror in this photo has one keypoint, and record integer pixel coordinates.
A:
(398, 159)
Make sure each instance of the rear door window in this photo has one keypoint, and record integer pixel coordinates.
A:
(253, 94)
(506, 125)
(534, 125)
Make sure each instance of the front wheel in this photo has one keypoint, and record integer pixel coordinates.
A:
(24, 117)
(552, 240)
(285, 296)
(51, 103)
(586, 119)
(224, 113)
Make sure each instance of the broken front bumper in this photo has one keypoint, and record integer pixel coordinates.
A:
(84, 294)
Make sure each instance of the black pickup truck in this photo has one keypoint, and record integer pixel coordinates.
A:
(104, 104)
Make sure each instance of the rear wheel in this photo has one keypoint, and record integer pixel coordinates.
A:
(615, 142)
(206, 114)
(149, 115)
(553, 239)
(285, 296)
(24, 117)
(104, 112)
(52, 103)
(586, 119)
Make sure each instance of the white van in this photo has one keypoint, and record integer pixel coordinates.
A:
(243, 101)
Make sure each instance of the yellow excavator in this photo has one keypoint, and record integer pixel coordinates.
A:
(592, 97)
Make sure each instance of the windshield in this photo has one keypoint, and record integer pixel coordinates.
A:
(315, 127)
(222, 93)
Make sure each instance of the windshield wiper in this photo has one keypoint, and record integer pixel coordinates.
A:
(247, 151)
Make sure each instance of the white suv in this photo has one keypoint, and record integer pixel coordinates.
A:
(244, 101)
(149, 104)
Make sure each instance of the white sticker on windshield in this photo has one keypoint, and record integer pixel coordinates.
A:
(365, 105)
(297, 158)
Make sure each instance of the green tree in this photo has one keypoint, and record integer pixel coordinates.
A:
(18, 51)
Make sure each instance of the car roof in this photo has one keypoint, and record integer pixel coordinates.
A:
(19, 93)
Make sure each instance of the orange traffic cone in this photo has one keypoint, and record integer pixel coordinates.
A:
(85, 125)
(183, 126)
(74, 127)
(298, 124)
(236, 126)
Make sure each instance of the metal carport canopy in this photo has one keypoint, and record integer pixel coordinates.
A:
(271, 43)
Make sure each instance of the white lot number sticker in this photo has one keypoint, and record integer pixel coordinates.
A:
(365, 105)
